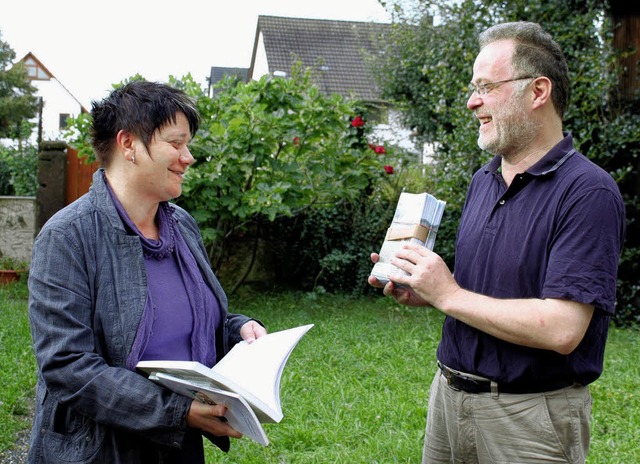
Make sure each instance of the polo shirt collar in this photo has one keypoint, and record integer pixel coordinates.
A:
(549, 163)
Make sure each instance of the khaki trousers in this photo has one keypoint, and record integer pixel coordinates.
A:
(488, 428)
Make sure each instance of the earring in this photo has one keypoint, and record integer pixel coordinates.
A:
(133, 159)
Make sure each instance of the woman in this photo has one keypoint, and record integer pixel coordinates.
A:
(121, 275)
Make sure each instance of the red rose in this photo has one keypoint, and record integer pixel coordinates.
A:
(388, 169)
(379, 149)
(357, 121)
(296, 141)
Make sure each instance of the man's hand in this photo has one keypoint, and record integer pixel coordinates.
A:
(402, 294)
(429, 277)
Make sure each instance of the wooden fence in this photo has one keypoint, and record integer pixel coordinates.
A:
(79, 175)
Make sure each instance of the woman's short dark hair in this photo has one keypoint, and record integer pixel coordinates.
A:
(139, 107)
(536, 54)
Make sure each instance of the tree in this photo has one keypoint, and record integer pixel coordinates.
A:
(432, 66)
(269, 149)
(18, 103)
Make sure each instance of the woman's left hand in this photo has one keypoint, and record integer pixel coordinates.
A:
(252, 330)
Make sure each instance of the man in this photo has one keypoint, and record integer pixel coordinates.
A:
(527, 311)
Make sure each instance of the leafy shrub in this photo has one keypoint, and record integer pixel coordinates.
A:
(19, 171)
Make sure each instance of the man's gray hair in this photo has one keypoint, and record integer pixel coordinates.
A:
(536, 54)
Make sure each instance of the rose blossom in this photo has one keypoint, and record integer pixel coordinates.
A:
(357, 121)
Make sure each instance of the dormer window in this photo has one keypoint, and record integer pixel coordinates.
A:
(34, 70)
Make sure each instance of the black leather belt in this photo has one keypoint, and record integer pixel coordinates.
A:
(464, 383)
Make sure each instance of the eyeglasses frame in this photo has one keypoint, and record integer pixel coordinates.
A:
(486, 87)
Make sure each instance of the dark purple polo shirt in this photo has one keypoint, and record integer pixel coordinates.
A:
(556, 232)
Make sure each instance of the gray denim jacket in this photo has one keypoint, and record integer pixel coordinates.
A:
(88, 289)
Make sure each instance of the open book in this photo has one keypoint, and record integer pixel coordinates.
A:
(416, 220)
(246, 380)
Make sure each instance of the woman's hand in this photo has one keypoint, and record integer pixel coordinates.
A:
(210, 418)
(252, 330)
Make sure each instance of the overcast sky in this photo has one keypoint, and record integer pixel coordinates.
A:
(90, 44)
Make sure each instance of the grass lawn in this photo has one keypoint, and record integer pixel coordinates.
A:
(355, 388)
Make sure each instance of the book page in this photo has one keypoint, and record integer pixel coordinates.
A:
(255, 369)
(251, 370)
(239, 414)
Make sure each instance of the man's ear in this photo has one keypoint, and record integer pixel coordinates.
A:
(542, 87)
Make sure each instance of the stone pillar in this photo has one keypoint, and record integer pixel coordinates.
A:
(17, 224)
(52, 181)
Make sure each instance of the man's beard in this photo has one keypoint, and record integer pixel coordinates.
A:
(513, 131)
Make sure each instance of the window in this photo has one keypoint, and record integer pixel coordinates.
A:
(377, 113)
(63, 120)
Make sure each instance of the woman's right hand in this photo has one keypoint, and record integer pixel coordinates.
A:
(210, 418)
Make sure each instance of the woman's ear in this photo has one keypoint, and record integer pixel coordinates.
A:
(126, 146)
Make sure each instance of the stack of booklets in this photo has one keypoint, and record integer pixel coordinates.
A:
(416, 220)
(246, 380)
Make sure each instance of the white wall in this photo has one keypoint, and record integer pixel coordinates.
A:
(261, 65)
(394, 133)
(57, 100)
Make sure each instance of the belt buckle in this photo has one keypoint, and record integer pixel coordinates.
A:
(448, 375)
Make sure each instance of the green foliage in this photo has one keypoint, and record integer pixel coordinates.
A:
(330, 247)
(270, 149)
(10, 263)
(78, 136)
(428, 72)
(19, 171)
(5, 178)
(18, 103)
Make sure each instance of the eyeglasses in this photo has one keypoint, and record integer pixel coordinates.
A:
(483, 89)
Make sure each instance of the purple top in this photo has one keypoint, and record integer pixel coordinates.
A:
(556, 232)
(181, 314)
(171, 332)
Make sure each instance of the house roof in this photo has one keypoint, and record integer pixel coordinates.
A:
(36, 71)
(337, 51)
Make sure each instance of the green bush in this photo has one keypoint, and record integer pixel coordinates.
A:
(278, 149)
(19, 171)
(5, 178)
